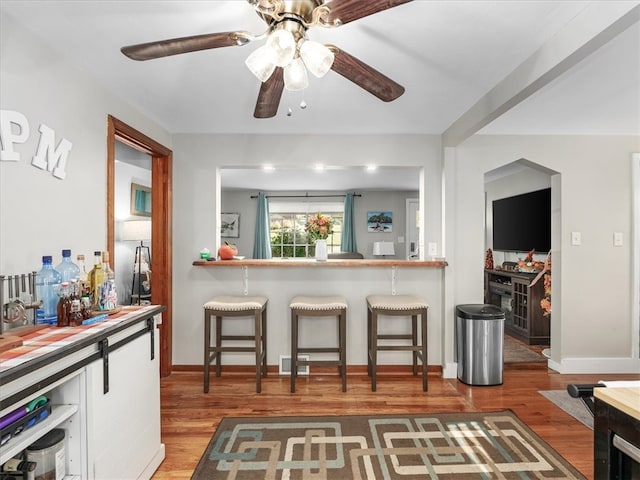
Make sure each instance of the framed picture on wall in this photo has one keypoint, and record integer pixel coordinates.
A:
(380, 221)
(230, 225)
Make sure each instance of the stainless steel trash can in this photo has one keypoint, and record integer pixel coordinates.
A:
(479, 344)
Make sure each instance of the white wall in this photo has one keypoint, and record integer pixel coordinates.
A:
(592, 316)
(42, 214)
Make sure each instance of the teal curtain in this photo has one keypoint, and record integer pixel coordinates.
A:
(262, 242)
(348, 226)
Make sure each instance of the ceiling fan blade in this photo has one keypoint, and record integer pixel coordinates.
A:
(365, 76)
(269, 96)
(175, 46)
(345, 11)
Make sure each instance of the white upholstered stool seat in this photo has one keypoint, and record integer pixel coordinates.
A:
(397, 306)
(319, 306)
(228, 307)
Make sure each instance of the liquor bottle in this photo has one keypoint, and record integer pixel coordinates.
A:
(110, 295)
(47, 286)
(83, 283)
(75, 311)
(67, 269)
(96, 279)
(64, 305)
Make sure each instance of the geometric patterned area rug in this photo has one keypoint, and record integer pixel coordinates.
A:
(382, 447)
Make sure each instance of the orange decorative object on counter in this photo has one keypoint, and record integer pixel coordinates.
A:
(227, 251)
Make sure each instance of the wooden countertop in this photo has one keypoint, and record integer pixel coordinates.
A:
(625, 399)
(309, 262)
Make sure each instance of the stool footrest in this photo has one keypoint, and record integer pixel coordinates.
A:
(318, 363)
(318, 350)
(395, 337)
(232, 349)
(237, 337)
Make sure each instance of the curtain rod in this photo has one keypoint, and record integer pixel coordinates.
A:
(306, 195)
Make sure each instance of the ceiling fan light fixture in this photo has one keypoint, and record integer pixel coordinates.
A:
(283, 44)
(261, 62)
(316, 57)
(295, 75)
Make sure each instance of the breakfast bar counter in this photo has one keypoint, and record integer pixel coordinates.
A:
(312, 263)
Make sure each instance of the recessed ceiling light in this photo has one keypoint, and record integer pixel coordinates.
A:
(372, 168)
(268, 168)
(319, 168)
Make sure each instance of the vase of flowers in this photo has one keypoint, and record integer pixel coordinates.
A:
(318, 228)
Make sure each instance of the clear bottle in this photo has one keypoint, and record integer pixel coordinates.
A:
(67, 269)
(96, 279)
(110, 295)
(64, 305)
(47, 286)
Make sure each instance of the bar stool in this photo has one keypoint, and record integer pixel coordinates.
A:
(397, 306)
(319, 306)
(232, 307)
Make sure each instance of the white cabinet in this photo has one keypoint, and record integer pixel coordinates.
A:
(127, 415)
(108, 405)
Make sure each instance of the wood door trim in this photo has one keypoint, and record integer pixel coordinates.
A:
(161, 216)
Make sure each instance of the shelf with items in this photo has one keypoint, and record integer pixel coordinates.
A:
(519, 297)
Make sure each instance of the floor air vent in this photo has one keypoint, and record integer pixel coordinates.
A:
(285, 365)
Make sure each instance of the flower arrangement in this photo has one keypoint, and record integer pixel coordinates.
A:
(545, 303)
(319, 227)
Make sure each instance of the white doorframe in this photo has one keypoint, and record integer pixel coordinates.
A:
(635, 256)
(412, 240)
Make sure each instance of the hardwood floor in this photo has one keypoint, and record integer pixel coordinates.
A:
(190, 417)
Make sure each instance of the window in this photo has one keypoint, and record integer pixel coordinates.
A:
(287, 221)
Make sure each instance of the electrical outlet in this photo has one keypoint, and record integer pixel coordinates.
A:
(576, 238)
(432, 249)
(618, 239)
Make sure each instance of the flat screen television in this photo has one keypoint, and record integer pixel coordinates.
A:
(523, 222)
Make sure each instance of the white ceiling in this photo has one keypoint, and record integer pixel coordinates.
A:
(449, 56)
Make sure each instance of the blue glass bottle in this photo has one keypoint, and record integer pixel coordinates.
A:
(47, 286)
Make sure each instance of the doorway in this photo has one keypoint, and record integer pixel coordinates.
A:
(161, 221)
(529, 332)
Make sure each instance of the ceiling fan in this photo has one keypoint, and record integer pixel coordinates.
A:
(287, 54)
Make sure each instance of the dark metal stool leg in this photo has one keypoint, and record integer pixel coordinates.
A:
(294, 349)
(218, 353)
(264, 342)
(425, 363)
(414, 343)
(342, 322)
(374, 348)
(207, 348)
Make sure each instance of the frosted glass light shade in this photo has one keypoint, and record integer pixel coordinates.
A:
(295, 75)
(316, 57)
(261, 63)
(283, 45)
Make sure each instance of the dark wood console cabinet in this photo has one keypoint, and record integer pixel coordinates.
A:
(513, 292)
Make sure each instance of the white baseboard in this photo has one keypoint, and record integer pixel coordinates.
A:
(596, 365)
(450, 370)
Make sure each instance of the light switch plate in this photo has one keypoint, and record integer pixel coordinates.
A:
(618, 239)
(576, 238)
(432, 249)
